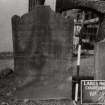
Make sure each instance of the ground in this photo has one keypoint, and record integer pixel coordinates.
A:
(54, 89)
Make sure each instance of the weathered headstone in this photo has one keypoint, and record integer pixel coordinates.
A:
(42, 46)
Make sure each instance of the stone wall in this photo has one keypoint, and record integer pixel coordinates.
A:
(100, 61)
(42, 44)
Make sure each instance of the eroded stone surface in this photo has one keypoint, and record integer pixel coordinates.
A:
(43, 52)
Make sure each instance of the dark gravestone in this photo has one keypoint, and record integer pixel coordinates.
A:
(42, 46)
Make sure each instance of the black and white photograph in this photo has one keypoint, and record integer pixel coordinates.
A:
(52, 52)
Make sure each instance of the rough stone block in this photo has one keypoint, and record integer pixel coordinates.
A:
(100, 61)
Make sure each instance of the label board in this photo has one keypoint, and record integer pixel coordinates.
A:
(93, 91)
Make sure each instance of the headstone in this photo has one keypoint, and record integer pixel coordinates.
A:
(43, 47)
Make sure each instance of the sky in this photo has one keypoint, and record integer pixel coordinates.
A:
(8, 8)
(51, 3)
